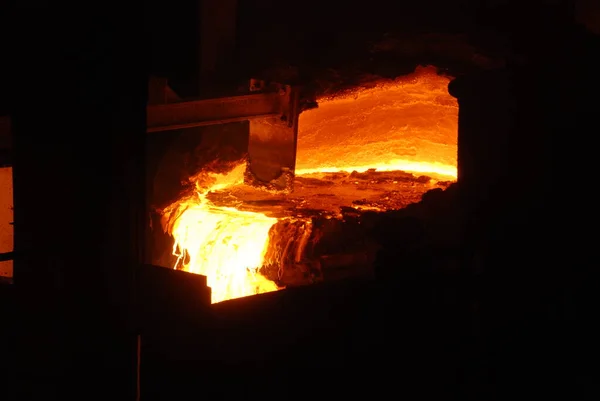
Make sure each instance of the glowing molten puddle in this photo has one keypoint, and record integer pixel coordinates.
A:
(409, 124)
(222, 243)
(227, 246)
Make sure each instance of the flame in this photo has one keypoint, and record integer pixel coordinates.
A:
(226, 245)
(409, 124)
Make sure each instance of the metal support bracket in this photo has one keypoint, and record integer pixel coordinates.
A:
(165, 117)
(273, 114)
(272, 145)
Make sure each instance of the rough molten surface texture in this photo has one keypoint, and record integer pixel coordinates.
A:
(328, 193)
(410, 124)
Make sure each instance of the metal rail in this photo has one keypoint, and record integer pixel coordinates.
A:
(164, 117)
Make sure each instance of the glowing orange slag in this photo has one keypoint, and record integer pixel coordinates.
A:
(224, 244)
(409, 124)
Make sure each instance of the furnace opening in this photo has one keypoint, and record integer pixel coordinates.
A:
(368, 150)
(409, 124)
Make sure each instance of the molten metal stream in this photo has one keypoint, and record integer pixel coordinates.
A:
(408, 125)
(226, 245)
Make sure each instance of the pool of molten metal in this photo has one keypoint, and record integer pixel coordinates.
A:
(378, 148)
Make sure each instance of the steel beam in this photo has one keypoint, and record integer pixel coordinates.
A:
(197, 113)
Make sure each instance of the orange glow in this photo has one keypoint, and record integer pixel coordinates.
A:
(224, 244)
(409, 124)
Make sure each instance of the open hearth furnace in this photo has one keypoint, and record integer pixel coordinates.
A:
(380, 193)
(260, 192)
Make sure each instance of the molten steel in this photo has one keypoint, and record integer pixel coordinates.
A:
(408, 125)
(224, 244)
